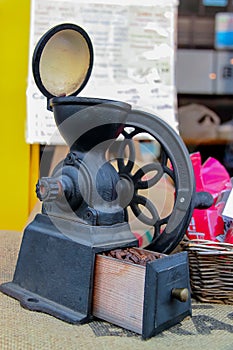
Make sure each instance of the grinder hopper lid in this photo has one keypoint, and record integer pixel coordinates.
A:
(62, 61)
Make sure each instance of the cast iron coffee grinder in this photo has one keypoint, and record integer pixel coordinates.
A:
(86, 200)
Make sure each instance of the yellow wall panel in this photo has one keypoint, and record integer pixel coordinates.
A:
(14, 152)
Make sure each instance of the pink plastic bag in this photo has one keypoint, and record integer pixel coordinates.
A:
(211, 177)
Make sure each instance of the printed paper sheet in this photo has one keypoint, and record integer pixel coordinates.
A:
(134, 54)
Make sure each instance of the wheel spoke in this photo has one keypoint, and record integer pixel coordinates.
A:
(140, 200)
(143, 184)
(158, 225)
(131, 134)
(126, 168)
(164, 162)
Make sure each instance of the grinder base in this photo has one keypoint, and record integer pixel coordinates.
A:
(54, 272)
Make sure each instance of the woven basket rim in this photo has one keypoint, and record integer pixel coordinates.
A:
(207, 247)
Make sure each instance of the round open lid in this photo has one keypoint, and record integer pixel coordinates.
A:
(62, 61)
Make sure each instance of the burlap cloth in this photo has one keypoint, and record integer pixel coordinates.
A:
(211, 326)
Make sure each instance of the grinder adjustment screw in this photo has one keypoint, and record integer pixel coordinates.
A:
(48, 189)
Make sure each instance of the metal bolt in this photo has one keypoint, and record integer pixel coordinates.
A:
(88, 214)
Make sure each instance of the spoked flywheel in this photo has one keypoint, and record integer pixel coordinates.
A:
(160, 193)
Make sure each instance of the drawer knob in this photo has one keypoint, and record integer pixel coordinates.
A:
(181, 294)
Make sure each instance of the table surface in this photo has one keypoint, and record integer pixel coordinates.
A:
(210, 326)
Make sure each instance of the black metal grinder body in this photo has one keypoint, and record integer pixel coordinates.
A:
(85, 201)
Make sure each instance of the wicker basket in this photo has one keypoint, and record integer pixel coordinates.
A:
(211, 270)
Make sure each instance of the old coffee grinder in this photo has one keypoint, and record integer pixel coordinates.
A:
(86, 200)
